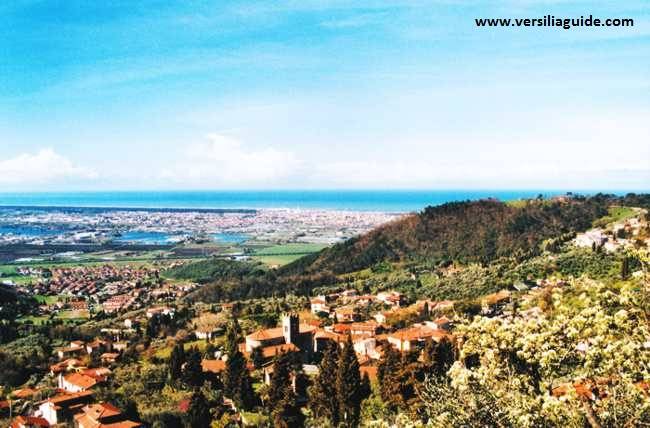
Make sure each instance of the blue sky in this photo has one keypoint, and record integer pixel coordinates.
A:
(321, 94)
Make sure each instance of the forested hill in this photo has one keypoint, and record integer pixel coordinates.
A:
(473, 231)
(463, 232)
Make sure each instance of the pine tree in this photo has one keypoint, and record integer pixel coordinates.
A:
(198, 414)
(280, 378)
(438, 357)
(257, 357)
(323, 399)
(366, 387)
(625, 268)
(425, 311)
(286, 413)
(176, 361)
(193, 371)
(387, 375)
(237, 383)
(348, 386)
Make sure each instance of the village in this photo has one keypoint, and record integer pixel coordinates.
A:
(372, 322)
(79, 291)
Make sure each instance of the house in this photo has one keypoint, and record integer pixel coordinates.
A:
(494, 301)
(117, 303)
(269, 352)
(322, 338)
(367, 347)
(103, 415)
(78, 305)
(120, 346)
(346, 314)
(415, 337)
(291, 331)
(161, 310)
(213, 366)
(97, 345)
(77, 382)
(356, 329)
(59, 409)
(76, 348)
(381, 317)
(109, 357)
(442, 323)
(64, 366)
(206, 333)
(391, 298)
(319, 304)
(29, 422)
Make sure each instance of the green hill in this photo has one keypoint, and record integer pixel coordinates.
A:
(464, 232)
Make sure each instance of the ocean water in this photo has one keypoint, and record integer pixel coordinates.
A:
(354, 200)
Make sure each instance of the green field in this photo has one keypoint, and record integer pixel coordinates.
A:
(285, 253)
(8, 273)
(36, 320)
(615, 214)
(47, 300)
(73, 315)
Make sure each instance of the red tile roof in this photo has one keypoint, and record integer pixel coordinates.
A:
(213, 366)
(82, 381)
(29, 421)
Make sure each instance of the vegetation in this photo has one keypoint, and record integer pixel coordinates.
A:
(568, 347)
(465, 232)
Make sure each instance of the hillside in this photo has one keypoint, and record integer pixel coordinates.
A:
(464, 232)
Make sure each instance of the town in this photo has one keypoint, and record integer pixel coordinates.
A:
(221, 342)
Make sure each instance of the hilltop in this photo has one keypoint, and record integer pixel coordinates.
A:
(466, 232)
(480, 232)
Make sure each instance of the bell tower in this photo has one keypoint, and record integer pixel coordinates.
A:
(290, 328)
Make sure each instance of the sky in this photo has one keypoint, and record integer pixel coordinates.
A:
(313, 94)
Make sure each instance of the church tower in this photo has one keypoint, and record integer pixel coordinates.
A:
(290, 328)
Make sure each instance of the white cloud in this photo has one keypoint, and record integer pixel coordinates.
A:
(225, 161)
(45, 167)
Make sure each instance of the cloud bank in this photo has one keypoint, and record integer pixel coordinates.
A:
(224, 161)
(45, 167)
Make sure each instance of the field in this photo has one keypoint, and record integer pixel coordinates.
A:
(285, 253)
(47, 300)
(616, 214)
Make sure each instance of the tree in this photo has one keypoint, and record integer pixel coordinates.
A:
(438, 357)
(286, 413)
(257, 357)
(198, 414)
(176, 361)
(167, 420)
(348, 386)
(193, 371)
(366, 387)
(389, 384)
(280, 378)
(625, 268)
(593, 331)
(237, 383)
(323, 397)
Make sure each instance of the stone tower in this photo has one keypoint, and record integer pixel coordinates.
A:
(290, 328)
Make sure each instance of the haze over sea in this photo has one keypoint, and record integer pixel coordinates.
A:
(353, 200)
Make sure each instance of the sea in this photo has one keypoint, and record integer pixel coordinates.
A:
(394, 201)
